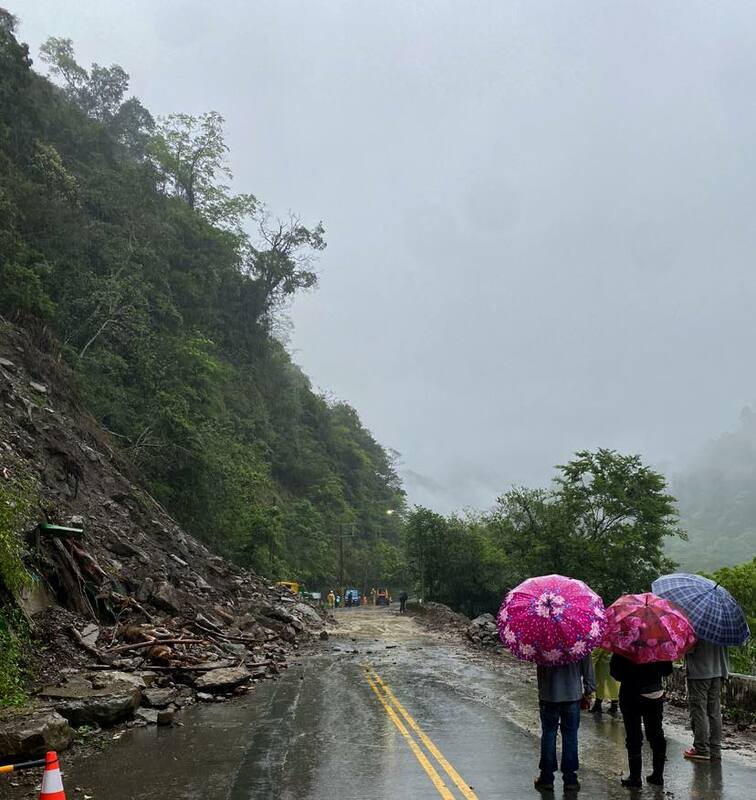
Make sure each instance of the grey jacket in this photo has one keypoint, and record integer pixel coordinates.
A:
(568, 683)
(706, 661)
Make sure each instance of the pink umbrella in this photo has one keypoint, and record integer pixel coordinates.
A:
(644, 628)
(551, 620)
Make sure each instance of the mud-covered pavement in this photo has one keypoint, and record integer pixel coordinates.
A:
(328, 729)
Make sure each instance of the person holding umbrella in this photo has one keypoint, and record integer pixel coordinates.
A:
(719, 622)
(555, 622)
(645, 634)
(706, 667)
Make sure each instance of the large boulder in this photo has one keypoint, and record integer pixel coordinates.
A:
(103, 704)
(220, 681)
(166, 598)
(309, 616)
(35, 733)
(160, 698)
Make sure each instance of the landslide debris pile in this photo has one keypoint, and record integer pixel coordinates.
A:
(132, 598)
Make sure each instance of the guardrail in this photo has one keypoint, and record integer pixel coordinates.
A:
(739, 691)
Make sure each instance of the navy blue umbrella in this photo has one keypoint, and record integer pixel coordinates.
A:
(713, 612)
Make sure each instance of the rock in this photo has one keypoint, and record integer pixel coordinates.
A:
(90, 634)
(202, 584)
(205, 697)
(166, 716)
(236, 648)
(104, 706)
(35, 734)
(323, 635)
(259, 671)
(111, 678)
(144, 590)
(123, 547)
(148, 715)
(159, 698)
(222, 680)
(4, 362)
(309, 614)
(166, 597)
(38, 387)
(483, 630)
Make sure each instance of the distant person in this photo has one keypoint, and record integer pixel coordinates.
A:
(331, 600)
(707, 666)
(606, 687)
(338, 601)
(641, 702)
(374, 595)
(348, 600)
(402, 602)
(560, 692)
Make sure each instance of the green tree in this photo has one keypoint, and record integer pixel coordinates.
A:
(740, 581)
(619, 514)
(192, 155)
(603, 520)
(100, 93)
(283, 262)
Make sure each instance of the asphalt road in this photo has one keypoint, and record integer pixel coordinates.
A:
(387, 712)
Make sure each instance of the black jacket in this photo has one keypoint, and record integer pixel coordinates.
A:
(637, 679)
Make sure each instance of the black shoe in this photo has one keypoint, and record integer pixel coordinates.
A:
(614, 708)
(656, 778)
(596, 708)
(543, 784)
(572, 787)
(632, 783)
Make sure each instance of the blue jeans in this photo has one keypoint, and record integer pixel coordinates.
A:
(554, 715)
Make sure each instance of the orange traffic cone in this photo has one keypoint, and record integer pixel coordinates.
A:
(52, 782)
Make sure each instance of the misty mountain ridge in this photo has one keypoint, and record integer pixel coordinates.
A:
(717, 501)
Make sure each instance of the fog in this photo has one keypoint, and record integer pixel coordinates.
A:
(540, 215)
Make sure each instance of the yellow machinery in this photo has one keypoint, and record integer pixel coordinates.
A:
(292, 586)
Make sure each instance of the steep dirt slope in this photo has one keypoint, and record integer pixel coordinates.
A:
(134, 577)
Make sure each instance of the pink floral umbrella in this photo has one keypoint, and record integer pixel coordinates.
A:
(551, 620)
(645, 627)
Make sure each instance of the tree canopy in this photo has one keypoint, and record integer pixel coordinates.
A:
(603, 520)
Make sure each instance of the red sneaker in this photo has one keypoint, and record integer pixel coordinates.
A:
(694, 755)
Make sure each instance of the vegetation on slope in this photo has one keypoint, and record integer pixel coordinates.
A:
(121, 244)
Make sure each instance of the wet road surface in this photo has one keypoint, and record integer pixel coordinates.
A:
(328, 729)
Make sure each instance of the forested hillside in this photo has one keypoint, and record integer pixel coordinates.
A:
(125, 254)
(717, 501)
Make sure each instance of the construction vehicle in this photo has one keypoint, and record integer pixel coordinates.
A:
(383, 598)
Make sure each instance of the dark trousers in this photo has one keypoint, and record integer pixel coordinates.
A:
(553, 717)
(640, 713)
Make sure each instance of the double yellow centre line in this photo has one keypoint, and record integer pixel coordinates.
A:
(395, 711)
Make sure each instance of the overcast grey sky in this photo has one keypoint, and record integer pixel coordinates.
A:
(540, 215)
